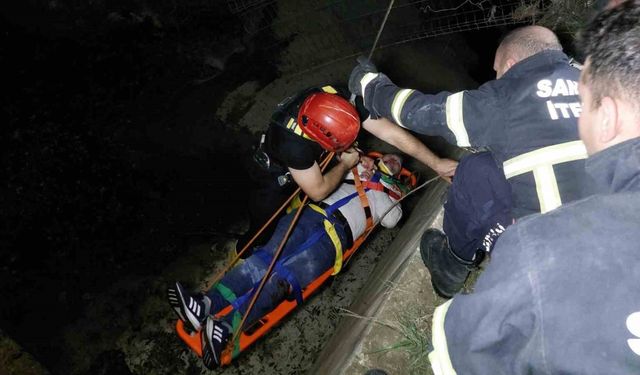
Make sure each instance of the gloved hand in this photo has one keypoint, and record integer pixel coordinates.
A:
(364, 66)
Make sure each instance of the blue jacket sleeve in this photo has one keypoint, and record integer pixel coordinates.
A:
(467, 118)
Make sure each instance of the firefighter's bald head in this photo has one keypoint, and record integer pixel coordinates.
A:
(522, 43)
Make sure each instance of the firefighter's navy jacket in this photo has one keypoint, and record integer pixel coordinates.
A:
(561, 294)
(527, 118)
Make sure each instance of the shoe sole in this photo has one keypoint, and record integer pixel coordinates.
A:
(174, 302)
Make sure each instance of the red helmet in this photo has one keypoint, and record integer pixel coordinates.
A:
(329, 120)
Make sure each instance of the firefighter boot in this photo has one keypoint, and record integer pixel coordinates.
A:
(448, 271)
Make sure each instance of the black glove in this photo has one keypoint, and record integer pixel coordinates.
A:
(364, 66)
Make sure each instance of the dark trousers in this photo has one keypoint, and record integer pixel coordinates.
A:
(478, 206)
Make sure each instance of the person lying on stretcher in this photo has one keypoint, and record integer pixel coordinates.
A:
(309, 252)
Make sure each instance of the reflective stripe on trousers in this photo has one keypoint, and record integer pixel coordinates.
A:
(541, 162)
(439, 357)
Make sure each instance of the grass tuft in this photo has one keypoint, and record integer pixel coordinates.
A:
(414, 327)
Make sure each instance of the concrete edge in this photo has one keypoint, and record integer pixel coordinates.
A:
(339, 349)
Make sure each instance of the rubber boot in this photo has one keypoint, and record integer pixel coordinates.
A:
(448, 271)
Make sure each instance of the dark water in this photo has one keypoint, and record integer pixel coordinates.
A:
(112, 160)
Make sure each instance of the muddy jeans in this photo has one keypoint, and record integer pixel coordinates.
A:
(305, 266)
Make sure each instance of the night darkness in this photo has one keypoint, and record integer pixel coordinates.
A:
(112, 162)
(93, 188)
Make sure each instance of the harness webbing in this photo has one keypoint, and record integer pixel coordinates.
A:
(364, 201)
(230, 297)
(375, 184)
(330, 229)
(284, 272)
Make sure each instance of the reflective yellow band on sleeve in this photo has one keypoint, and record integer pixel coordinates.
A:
(439, 357)
(541, 162)
(333, 235)
(366, 79)
(455, 119)
(329, 89)
(398, 104)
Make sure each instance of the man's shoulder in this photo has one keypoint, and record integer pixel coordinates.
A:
(293, 150)
(560, 214)
(579, 222)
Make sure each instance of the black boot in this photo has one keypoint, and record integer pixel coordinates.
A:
(448, 271)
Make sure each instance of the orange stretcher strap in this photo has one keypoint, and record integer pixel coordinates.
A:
(364, 201)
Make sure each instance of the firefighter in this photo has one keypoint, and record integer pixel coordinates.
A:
(527, 118)
(301, 130)
(561, 294)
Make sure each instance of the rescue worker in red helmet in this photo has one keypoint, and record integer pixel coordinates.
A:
(301, 131)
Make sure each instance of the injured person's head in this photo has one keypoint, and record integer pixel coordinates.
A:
(389, 164)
